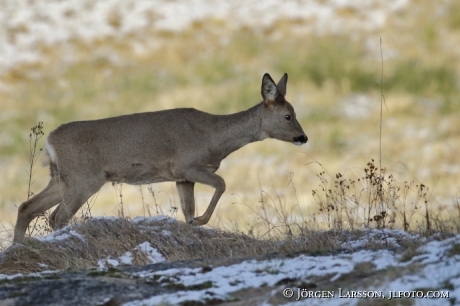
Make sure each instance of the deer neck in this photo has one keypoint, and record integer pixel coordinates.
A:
(239, 129)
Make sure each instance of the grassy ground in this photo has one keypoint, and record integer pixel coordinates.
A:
(334, 84)
(161, 261)
(92, 243)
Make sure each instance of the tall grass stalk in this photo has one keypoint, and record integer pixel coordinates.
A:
(34, 153)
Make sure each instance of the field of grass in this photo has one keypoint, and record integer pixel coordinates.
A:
(334, 85)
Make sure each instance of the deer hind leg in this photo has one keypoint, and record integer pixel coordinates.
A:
(187, 198)
(53, 216)
(76, 195)
(213, 180)
(47, 198)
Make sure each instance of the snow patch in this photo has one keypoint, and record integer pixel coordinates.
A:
(150, 219)
(440, 270)
(127, 258)
(107, 262)
(60, 235)
(150, 252)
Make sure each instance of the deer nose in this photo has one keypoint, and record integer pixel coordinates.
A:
(301, 139)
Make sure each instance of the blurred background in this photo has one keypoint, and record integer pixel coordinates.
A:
(75, 60)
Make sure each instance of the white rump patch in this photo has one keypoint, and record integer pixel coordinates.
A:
(50, 151)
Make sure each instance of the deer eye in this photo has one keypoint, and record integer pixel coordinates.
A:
(288, 117)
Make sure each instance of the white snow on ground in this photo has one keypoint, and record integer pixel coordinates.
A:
(439, 270)
(107, 262)
(126, 259)
(36, 274)
(61, 235)
(150, 252)
(385, 237)
(151, 219)
(25, 25)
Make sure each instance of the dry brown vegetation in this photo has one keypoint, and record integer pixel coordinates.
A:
(84, 244)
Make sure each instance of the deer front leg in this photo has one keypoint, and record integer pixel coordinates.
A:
(187, 198)
(213, 180)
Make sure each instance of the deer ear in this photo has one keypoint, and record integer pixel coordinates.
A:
(268, 89)
(281, 86)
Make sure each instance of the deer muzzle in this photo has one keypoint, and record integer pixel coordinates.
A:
(300, 140)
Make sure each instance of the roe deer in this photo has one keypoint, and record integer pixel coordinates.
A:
(182, 145)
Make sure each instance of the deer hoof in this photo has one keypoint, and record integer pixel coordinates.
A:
(196, 221)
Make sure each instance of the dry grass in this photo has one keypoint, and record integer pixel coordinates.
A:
(96, 239)
(88, 242)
